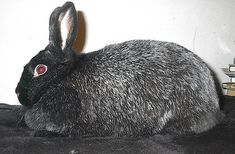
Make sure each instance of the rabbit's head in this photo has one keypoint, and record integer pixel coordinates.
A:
(55, 61)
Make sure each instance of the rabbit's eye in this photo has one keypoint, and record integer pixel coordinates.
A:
(40, 69)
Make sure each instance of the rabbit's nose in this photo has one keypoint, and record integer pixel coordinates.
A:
(17, 91)
(18, 94)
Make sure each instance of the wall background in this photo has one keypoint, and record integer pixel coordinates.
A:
(206, 27)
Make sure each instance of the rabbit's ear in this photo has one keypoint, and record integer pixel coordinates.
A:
(63, 26)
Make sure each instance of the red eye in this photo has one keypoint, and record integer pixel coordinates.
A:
(40, 69)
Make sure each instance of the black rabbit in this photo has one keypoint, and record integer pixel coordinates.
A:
(134, 88)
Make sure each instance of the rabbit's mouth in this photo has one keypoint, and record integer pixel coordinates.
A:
(22, 95)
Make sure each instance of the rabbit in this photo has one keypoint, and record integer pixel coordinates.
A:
(130, 89)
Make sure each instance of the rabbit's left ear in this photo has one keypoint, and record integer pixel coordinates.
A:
(63, 27)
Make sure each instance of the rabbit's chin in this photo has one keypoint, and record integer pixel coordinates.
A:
(25, 103)
(23, 99)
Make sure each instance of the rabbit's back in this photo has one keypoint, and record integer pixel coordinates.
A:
(147, 63)
(142, 85)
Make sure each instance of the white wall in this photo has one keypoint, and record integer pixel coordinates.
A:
(204, 26)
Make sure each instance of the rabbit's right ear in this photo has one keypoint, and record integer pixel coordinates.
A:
(63, 27)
